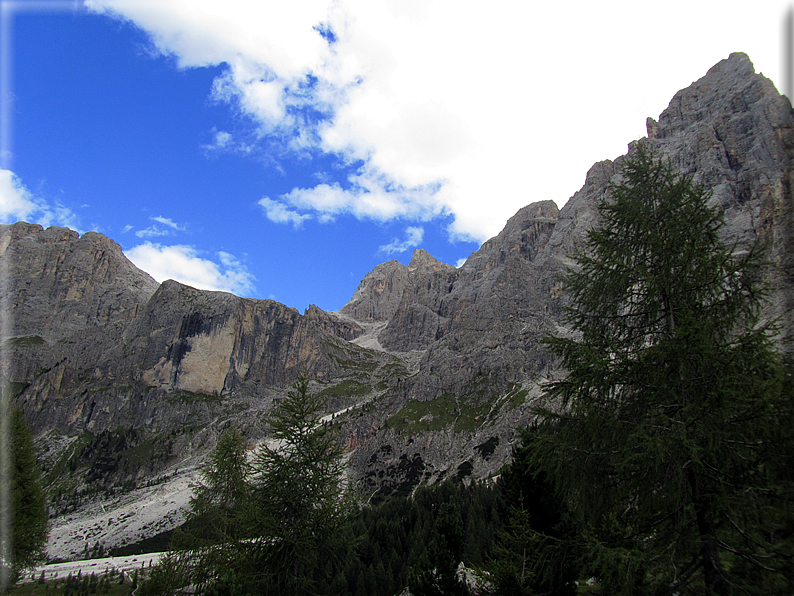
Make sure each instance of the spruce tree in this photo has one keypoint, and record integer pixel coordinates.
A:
(277, 526)
(536, 551)
(668, 434)
(28, 513)
(438, 574)
(219, 502)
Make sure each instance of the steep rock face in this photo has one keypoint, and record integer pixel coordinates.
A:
(428, 299)
(182, 341)
(734, 133)
(211, 342)
(379, 293)
(60, 282)
(730, 130)
(479, 306)
(417, 321)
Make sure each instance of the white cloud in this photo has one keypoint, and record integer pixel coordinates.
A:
(413, 238)
(370, 195)
(155, 230)
(17, 203)
(152, 231)
(452, 107)
(280, 213)
(183, 264)
(169, 222)
(222, 140)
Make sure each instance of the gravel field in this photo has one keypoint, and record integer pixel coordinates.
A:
(124, 519)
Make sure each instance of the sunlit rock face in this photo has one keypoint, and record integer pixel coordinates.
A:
(59, 283)
(428, 370)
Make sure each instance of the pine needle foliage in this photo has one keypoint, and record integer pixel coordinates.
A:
(215, 535)
(28, 509)
(668, 436)
(536, 551)
(301, 506)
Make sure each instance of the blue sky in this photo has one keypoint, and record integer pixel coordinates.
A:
(282, 150)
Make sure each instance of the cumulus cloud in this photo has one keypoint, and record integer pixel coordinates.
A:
(452, 108)
(223, 141)
(183, 264)
(17, 203)
(413, 238)
(369, 195)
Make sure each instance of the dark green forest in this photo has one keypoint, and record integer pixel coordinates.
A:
(416, 542)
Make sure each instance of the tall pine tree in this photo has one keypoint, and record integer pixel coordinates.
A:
(218, 515)
(536, 551)
(668, 434)
(276, 526)
(300, 507)
(28, 513)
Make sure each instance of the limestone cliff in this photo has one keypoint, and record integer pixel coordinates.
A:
(60, 283)
(479, 326)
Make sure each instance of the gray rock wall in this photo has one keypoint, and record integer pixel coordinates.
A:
(60, 283)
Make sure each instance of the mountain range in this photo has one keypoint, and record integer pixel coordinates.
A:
(428, 370)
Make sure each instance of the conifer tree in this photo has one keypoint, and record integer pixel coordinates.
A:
(271, 527)
(28, 513)
(219, 502)
(669, 433)
(218, 515)
(438, 574)
(536, 551)
(300, 504)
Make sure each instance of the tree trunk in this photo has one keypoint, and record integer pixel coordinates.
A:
(709, 553)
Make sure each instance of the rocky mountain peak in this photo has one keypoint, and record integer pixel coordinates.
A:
(422, 262)
(378, 294)
(61, 282)
(517, 237)
(731, 83)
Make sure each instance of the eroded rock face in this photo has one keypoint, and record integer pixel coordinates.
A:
(60, 282)
(95, 343)
(480, 326)
(428, 299)
(379, 293)
(733, 132)
(212, 342)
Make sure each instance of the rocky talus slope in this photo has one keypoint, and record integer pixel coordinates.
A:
(429, 368)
